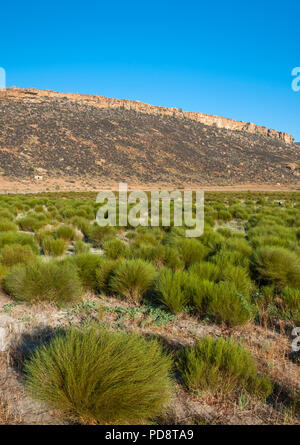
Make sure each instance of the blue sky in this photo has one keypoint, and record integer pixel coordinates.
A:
(231, 58)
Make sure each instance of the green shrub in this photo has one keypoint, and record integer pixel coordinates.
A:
(132, 278)
(81, 247)
(3, 272)
(37, 281)
(115, 248)
(104, 274)
(224, 258)
(240, 278)
(24, 239)
(207, 271)
(101, 377)
(172, 258)
(98, 234)
(13, 254)
(291, 298)
(30, 223)
(5, 214)
(7, 226)
(276, 265)
(55, 247)
(149, 252)
(220, 365)
(67, 233)
(228, 306)
(192, 251)
(170, 286)
(87, 264)
(199, 292)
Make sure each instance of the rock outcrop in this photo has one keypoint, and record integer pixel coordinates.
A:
(33, 94)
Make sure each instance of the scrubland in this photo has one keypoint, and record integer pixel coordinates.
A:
(110, 325)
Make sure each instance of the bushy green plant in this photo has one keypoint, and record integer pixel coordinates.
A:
(87, 264)
(115, 248)
(101, 377)
(13, 254)
(276, 265)
(37, 281)
(6, 214)
(7, 238)
(81, 247)
(220, 365)
(172, 258)
(55, 247)
(199, 292)
(229, 306)
(192, 251)
(98, 234)
(132, 278)
(104, 274)
(291, 298)
(170, 287)
(31, 223)
(7, 226)
(207, 271)
(239, 277)
(66, 233)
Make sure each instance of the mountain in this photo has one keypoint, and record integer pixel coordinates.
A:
(46, 135)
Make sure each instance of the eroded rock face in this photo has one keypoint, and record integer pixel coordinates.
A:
(105, 102)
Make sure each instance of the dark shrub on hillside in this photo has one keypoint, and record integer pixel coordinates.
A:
(37, 281)
(103, 377)
(221, 366)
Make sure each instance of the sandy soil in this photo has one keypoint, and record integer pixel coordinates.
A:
(96, 184)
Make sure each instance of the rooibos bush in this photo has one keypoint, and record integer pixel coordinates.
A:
(276, 265)
(37, 281)
(56, 247)
(229, 306)
(170, 287)
(132, 278)
(115, 248)
(13, 254)
(6, 225)
(221, 365)
(101, 376)
(87, 264)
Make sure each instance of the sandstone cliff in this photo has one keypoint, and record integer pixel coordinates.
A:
(105, 102)
(47, 136)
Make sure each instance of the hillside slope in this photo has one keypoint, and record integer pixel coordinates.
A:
(55, 136)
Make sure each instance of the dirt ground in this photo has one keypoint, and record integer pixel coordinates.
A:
(96, 184)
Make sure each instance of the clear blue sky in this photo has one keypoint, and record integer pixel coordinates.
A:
(231, 58)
